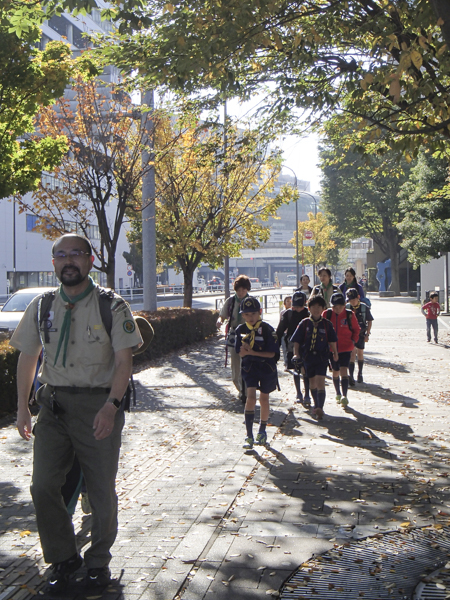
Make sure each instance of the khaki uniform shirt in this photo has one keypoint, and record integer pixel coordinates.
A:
(236, 317)
(90, 351)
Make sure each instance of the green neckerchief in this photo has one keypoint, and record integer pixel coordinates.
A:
(326, 290)
(65, 329)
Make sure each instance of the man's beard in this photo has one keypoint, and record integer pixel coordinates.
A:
(72, 280)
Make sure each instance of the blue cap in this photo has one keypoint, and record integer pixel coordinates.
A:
(337, 298)
(299, 299)
(249, 305)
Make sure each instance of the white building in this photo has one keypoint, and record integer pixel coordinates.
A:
(25, 252)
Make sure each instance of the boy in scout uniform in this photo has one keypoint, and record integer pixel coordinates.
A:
(84, 376)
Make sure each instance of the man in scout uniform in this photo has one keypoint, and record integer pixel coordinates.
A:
(84, 376)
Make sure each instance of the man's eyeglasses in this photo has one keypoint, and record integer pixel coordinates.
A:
(71, 254)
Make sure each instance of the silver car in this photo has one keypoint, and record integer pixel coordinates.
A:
(13, 309)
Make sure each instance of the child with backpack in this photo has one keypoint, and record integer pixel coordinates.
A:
(347, 331)
(364, 318)
(312, 341)
(288, 324)
(256, 344)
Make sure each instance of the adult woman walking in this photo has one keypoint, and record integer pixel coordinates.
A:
(350, 282)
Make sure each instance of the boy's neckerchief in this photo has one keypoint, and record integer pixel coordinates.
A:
(65, 329)
(314, 333)
(250, 337)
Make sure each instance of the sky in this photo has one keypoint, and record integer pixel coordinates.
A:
(300, 153)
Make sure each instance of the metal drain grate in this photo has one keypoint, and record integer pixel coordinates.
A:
(382, 567)
(436, 586)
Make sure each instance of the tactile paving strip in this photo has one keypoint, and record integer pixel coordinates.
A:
(383, 567)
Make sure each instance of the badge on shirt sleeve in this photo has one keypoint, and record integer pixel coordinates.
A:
(129, 326)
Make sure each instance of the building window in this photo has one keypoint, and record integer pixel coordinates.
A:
(31, 222)
(78, 40)
(59, 24)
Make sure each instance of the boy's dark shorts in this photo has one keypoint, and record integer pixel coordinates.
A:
(361, 343)
(315, 365)
(260, 375)
(344, 361)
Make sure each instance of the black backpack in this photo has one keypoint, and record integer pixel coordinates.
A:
(349, 317)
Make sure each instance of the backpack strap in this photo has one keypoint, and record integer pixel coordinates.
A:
(44, 307)
(105, 304)
(349, 319)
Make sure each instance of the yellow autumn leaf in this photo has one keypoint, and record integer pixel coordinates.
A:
(25, 533)
(169, 8)
(416, 58)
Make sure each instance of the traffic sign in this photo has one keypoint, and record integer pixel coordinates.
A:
(308, 235)
(130, 273)
(129, 267)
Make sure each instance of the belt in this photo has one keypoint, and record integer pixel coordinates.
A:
(69, 389)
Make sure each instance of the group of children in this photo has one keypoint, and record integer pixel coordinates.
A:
(328, 329)
(310, 330)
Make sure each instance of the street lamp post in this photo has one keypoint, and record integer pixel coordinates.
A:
(315, 216)
(296, 226)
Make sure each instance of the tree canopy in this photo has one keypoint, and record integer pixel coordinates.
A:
(425, 202)
(361, 193)
(214, 194)
(101, 175)
(324, 251)
(385, 63)
(30, 78)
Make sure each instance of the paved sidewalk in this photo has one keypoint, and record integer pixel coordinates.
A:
(199, 518)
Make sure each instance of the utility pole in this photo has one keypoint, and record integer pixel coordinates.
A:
(149, 211)
(226, 265)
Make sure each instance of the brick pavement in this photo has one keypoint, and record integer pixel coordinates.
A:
(199, 518)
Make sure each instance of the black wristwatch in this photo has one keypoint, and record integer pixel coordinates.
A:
(115, 402)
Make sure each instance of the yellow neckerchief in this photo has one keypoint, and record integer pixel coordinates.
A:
(250, 337)
(355, 308)
(314, 333)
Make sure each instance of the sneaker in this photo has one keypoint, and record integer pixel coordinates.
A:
(98, 578)
(261, 439)
(85, 504)
(59, 578)
(360, 378)
(307, 402)
(338, 398)
(351, 380)
(436, 342)
(344, 401)
(248, 444)
(300, 398)
(319, 413)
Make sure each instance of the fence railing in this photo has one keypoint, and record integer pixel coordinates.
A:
(269, 302)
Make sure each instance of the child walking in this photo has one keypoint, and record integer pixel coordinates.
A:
(431, 311)
(347, 331)
(288, 324)
(312, 341)
(364, 318)
(256, 344)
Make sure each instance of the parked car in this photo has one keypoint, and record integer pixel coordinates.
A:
(13, 309)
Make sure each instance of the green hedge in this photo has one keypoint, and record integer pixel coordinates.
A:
(8, 368)
(174, 328)
(177, 327)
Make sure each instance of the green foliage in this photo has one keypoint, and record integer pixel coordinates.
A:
(425, 201)
(384, 63)
(30, 78)
(176, 328)
(360, 191)
(8, 387)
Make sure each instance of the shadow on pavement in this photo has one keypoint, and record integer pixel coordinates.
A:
(375, 362)
(387, 394)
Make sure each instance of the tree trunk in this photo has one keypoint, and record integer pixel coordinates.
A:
(188, 287)
(392, 240)
(111, 272)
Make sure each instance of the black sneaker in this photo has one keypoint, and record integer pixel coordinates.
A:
(351, 381)
(59, 578)
(98, 578)
(360, 378)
